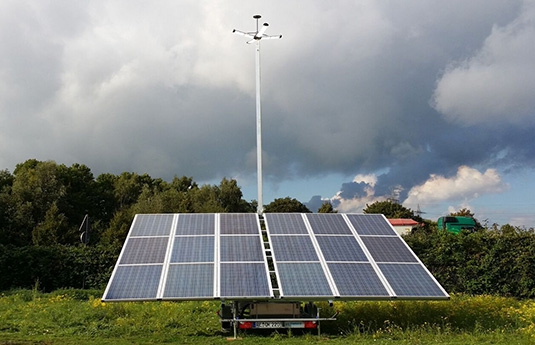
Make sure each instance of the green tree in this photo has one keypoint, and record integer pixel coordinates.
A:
(8, 232)
(391, 210)
(54, 229)
(465, 212)
(119, 226)
(107, 203)
(36, 187)
(327, 207)
(149, 201)
(183, 184)
(206, 200)
(230, 197)
(128, 187)
(286, 205)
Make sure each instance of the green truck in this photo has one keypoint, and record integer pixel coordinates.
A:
(456, 224)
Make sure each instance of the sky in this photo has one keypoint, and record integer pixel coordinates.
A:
(431, 103)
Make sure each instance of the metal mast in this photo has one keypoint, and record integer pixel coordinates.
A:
(255, 37)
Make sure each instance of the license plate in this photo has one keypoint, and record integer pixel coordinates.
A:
(268, 324)
(294, 324)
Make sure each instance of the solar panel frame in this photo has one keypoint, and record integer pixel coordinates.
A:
(201, 256)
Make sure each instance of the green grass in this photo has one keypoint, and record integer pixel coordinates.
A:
(79, 317)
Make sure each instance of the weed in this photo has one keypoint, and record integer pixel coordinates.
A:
(30, 316)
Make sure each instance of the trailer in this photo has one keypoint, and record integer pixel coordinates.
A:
(244, 315)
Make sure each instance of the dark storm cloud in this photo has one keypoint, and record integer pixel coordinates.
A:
(363, 87)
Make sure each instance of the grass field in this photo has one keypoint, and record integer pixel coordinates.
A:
(79, 317)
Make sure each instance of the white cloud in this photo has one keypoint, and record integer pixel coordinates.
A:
(370, 179)
(468, 183)
(497, 83)
(355, 205)
(358, 203)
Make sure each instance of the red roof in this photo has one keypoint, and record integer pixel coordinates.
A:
(403, 222)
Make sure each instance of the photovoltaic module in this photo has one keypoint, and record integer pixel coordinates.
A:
(310, 256)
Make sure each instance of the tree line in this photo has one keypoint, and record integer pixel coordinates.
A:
(43, 203)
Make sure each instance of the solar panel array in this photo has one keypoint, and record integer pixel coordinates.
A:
(191, 256)
(351, 256)
(223, 256)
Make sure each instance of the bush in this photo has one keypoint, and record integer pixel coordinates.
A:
(50, 268)
(484, 262)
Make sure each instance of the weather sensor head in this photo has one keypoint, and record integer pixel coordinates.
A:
(259, 34)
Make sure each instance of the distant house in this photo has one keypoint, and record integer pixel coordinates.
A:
(403, 225)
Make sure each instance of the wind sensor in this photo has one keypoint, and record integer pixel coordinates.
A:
(256, 37)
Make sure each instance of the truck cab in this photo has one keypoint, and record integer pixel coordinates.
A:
(456, 224)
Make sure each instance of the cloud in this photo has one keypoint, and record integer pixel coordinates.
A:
(354, 196)
(167, 89)
(496, 84)
(468, 183)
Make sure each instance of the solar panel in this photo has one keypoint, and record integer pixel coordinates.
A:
(313, 256)
(152, 225)
(241, 248)
(388, 249)
(357, 279)
(244, 280)
(196, 224)
(293, 248)
(341, 248)
(144, 250)
(328, 223)
(190, 281)
(191, 256)
(239, 223)
(134, 283)
(411, 280)
(352, 256)
(193, 249)
(287, 223)
(305, 279)
(371, 224)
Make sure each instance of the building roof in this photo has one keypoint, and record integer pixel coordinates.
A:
(403, 222)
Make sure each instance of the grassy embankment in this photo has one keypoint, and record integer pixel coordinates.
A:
(79, 317)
